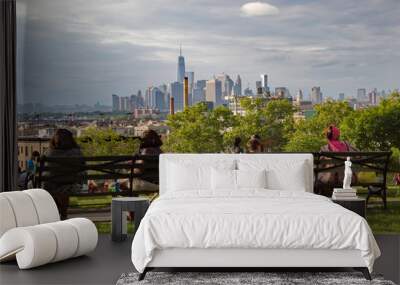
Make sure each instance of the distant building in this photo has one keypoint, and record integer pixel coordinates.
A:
(115, 103)
(161, 129)
(124, 104)
(27, 145)
(248, 92)
(136, 101)
(148, 98)
(316, 95)
(145, 113)
(373, 97)
(201, 84)
(362, 95)
(190, 76)
(199, 95)
(259, 89)
(281, 92)
(199, 91)
(341, 96)
(299, 96)
(226, 86)
(237, 87)
(160, 102)
(214, 92)
(181, 67)
(264, 82)
(176, 91)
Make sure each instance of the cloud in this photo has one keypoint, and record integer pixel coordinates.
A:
(81, 51)
(259, 9)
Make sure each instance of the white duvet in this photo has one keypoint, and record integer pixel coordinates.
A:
(250, 219)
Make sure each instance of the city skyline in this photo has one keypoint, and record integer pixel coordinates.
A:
(340, 46)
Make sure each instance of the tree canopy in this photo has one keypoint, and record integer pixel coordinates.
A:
(309, 135)
(103, 142)
(196, 129)
(375, 128)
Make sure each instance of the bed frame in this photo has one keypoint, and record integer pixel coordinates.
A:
(242, 259)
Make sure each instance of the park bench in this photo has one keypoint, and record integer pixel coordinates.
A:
(68, 170)
(363, 163)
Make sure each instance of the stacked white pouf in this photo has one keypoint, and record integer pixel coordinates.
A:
(31, 230)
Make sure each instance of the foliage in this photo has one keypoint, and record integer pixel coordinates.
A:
(309, 135)
(375, 128)
(198, 130)
(271, 120)
(98, 142)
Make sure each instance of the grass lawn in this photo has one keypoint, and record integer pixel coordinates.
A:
(380, 220)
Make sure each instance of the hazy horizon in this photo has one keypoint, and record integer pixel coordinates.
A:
(82, 51)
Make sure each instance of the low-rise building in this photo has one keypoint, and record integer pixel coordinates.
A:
(27, 145)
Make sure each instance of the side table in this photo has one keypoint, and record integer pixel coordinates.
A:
(357, 205)
(138, 205)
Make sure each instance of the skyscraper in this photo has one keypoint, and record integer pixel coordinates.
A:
(237, 88)
(214, 92)
(199, 91)
(373, 97)
(115, 103)
(176, 91)
(264, 82)
(316, 95)
(361, 95)
(226, 85)
(341, 96)
(181, 67)
(190, 76)
(259, 87)
(159, 99)
(299, 96)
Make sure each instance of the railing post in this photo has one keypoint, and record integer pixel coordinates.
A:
(131, 175)
(41, 167)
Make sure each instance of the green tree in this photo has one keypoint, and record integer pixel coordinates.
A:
(271, 120)
(99, 142)
(198, 130)
(309, 135)
(375, 128)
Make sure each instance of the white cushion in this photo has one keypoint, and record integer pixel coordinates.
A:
(251, 178)
(87, 235)
(281, 174)
(67, 240)
(45, 206)
(23, 208)
(223, 179)
(188, 175)
(32, 246)
(7, 218)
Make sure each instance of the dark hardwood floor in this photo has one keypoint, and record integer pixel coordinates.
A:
(110, 260)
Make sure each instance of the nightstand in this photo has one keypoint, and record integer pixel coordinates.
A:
(357, 205)
(119, 206)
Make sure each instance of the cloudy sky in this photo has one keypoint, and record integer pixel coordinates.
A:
(82, 51)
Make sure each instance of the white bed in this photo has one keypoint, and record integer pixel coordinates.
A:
(197, 222)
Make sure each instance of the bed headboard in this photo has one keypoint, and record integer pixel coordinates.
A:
(213, 158)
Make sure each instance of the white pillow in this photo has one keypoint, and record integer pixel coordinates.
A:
(185, 177)
(281, 174)
(194, 175)
(224, 179)
(251, 178)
